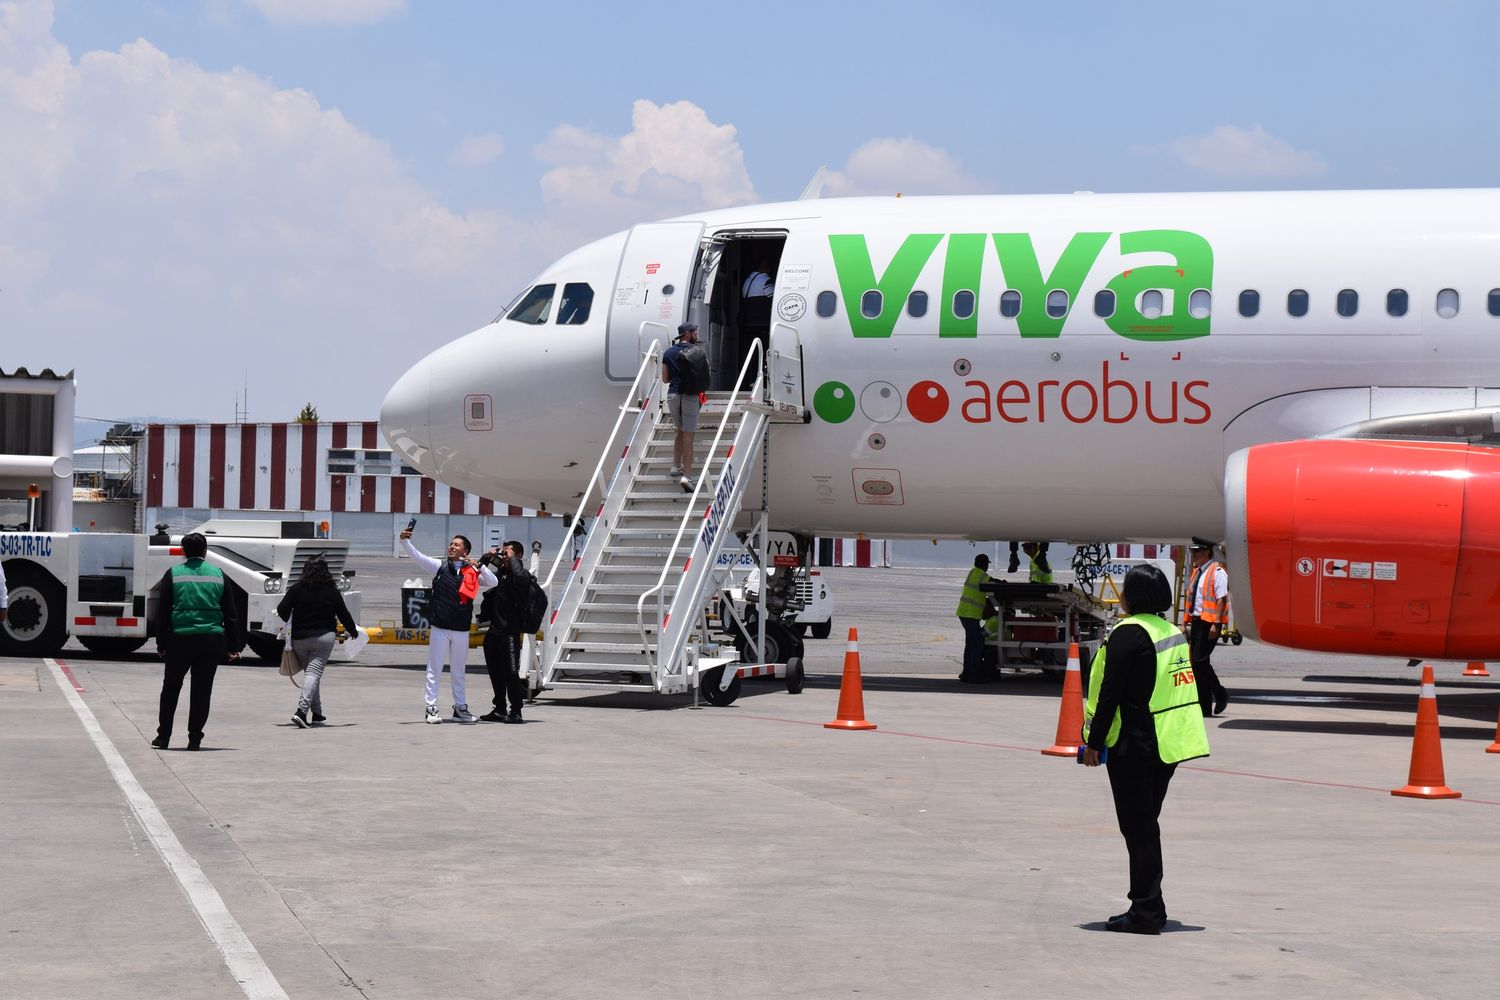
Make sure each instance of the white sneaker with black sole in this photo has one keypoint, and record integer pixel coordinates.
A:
(686, 484)
(433, 717)
(675, 472)
(461, 713)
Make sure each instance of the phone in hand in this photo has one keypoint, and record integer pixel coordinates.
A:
(1103, 754)
(411, 525)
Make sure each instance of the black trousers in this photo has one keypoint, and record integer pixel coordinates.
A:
(973, 648)
(502, 657)
(1201, 648)
(200, 656)
(1139, 785)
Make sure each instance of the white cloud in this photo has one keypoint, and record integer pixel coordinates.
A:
(326, 11)
(1231, 151)
(163, 212)
(908, 166)
(672, 161)
(477, 150)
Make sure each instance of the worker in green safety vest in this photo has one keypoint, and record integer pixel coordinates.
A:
(1039, 571)
(972, 609)
(196, 625)
(1141, 719)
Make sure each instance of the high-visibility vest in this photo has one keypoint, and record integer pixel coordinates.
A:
(1037, 576)
(197, 590)
(1211, 609)
(971, 603)
(1175, 713)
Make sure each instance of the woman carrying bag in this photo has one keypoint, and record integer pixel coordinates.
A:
(312, 605)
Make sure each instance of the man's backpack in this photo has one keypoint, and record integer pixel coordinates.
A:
(692, 369)
(536, 607)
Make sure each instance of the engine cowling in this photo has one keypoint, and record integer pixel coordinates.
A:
(1358, 546)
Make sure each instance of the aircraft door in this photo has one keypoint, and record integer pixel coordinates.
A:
(784, 369)
(651, 287)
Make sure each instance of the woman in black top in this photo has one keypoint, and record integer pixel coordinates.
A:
(1137, 777)
(311, 605)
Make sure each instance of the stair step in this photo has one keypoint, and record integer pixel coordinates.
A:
(608, 647)
(625, 590)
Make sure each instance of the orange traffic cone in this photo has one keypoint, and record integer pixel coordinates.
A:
(1475, 669)
(1070, 712)
(851, 691)
(1495, 746)
(1425, 779)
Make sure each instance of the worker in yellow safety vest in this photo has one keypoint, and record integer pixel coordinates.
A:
(971, 611)
(1039, 571)
(1141, 719)
(1206, 609)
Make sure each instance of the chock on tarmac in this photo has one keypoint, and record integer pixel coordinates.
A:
(1425, 777)
(851, 691)
(1070, 712)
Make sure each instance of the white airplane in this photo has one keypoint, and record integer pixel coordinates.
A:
(1313, 376)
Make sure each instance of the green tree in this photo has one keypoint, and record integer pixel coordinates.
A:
(309, 415)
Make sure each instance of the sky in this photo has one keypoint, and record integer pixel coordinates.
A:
(264, 203)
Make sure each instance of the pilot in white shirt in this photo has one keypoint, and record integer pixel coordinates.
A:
(758, 285)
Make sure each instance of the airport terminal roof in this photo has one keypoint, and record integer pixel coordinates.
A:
(45, 373)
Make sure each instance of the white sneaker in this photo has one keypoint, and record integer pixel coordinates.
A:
(686, 484)
(432, 715)
(461, 713)
(675, 471)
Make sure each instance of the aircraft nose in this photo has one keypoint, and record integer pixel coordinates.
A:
(406, 415)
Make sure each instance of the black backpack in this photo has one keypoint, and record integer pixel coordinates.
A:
(536, 607)
(692, 369)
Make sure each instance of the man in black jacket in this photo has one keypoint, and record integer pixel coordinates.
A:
(506, 602)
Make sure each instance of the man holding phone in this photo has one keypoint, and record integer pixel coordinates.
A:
(456, 581)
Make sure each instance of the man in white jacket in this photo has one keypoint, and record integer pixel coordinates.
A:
(456, 583)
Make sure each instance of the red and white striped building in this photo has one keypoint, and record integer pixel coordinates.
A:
(340, 471)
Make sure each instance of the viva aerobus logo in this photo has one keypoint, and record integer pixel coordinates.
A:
(1108, 397)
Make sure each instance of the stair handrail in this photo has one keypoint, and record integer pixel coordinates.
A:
(757, 351)
(653, 354)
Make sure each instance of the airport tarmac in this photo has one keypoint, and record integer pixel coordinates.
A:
(628, 846)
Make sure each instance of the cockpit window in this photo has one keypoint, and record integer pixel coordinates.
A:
(577, 299)
(535, 306)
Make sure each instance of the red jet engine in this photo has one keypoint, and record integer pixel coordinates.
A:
(1367, 546)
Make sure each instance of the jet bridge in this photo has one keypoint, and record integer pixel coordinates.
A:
(633, 614)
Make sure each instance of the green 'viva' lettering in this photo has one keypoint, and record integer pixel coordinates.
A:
(851, 258)
(1024, 274)
(1195, 269)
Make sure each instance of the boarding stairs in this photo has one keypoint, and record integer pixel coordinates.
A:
(631, 615)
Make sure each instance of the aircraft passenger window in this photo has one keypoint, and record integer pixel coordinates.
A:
(1296, 302)
(1200, 303)
(1151, 303)
(1395, 302)
(1348, 302)
(534, 306)
(1447, 303)
(1057, 303)
(870, 304)
(828, 302)
(1249, 302)
(963, 304)
(577, 300)
(1495, 301)
(1104, 303)
(916, 305)
(1010, 304)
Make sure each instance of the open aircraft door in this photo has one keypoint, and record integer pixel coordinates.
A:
(651, 291)
(784, 370)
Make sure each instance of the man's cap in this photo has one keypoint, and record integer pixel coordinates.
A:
(685, 328)
(982, 561)
(1202, 544)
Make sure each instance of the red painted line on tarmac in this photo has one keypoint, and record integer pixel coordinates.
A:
(1185, 767)
(69, 674)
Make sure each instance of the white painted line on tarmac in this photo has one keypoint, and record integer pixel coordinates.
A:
(244, 962)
